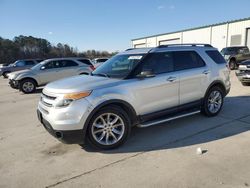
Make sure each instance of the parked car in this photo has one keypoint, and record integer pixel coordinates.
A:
(138, 87)
(18, 65)
(243, 72)
(235, 55)
(47, 71)
(98, 61)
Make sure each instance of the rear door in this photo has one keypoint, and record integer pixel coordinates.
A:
(68, 68)
(193, 75)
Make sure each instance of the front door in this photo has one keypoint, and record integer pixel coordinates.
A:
(160, 92)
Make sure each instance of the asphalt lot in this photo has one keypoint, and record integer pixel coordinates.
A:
(158, 156)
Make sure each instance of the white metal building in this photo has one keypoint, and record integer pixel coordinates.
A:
(231, 33)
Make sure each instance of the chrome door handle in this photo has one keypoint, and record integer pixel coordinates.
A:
(171, 78)
(206, 72)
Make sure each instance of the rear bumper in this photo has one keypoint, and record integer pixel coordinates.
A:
(67, 137)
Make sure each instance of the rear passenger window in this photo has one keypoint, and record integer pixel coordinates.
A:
(216, 56)
(159, 62)
(187, 60)
(85, 61)
(68, 63)
(29, 62)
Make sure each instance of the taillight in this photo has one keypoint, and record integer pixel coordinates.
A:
(92, 67)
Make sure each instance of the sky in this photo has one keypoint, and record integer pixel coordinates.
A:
(111, 24)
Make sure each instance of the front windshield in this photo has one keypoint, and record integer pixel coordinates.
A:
(118, 66)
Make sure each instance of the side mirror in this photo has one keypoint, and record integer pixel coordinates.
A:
(42, 68)
(146, 74)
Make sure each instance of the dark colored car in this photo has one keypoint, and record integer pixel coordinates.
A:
(243, 72)
(18, 65)
(235, 55)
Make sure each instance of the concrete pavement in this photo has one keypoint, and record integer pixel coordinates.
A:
(158, 156)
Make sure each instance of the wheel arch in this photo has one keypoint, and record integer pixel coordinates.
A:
(219, 84)
(117, 102)
(29, 78)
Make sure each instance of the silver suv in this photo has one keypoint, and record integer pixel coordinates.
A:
(138, 87)
(48, 71)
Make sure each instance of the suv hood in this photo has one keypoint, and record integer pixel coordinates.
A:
(78, 84)
(15, 74)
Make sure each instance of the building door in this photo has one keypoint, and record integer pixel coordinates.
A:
(248, 38)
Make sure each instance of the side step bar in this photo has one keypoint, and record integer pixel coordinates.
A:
(157, 121)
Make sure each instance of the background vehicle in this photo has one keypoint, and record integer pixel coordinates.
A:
(47, 71)
(18, 65)
(235, 55)
(243, 72)
(141, 87)
(98, 61)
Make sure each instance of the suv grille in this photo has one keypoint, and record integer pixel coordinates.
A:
(48, 97)
(47, 100)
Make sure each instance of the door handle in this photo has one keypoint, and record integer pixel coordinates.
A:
(171, 78)
(206, 72)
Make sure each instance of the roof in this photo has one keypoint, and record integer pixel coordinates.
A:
(194, 28)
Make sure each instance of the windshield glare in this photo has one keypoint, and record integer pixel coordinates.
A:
(118, 66)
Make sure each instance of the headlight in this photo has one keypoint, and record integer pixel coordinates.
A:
(69, 98)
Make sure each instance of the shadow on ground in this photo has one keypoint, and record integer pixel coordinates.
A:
(193, 130)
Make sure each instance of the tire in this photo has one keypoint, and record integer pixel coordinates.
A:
(27, 86)
(97, 135)
(245, 83)
(5, 74)
(213, 101)
(13, 87)
(232, 64)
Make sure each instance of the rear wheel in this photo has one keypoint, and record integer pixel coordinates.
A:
(213, 101)
(232, 64)
(27, 86)
(109, 128)
(5, 74)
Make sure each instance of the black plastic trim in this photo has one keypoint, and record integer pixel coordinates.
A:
(171, 111)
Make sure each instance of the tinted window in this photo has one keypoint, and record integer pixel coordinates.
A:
(85, 61)
(216, 56)
(52, 65)
(101, 60)
(20, 63)
(187, 60)
(159, 62)
(68, 63)
(29, 62)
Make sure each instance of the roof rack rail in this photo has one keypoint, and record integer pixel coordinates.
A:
(187, 44)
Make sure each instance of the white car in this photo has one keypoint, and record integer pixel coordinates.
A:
(48, 71)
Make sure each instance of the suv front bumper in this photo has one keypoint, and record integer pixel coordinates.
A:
(65, 124)
(243, 76)
(67, 137)
(14, 84)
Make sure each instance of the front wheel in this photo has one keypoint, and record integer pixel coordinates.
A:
(213, 101)
(109, 128)
(27, 86)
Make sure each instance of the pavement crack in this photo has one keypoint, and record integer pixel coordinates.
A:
(140, 153)
(90, 171)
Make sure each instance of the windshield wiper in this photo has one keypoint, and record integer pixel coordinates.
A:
(101, 74)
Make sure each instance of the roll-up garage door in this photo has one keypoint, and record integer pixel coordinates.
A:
(248, 38)
(142, 45)
(170, 41)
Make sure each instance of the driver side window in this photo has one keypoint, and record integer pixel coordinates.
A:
(52, 65)
(159, 63)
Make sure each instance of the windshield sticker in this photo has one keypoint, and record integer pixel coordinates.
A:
(135, 57)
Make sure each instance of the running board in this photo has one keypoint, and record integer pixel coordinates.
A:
(151, 123)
